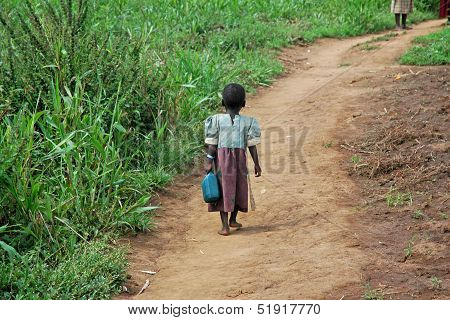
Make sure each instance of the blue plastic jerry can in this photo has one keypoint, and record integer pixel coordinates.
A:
(210, 188)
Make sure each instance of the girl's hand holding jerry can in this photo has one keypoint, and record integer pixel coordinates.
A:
(208, 167)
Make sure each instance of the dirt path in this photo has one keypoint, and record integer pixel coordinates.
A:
(299, 243)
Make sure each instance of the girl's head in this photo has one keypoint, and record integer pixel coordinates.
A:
(233, 97)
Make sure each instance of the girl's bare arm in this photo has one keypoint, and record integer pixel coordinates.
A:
(212, 151)
(254, 154)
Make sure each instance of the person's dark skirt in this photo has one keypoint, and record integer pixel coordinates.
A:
(231, 168)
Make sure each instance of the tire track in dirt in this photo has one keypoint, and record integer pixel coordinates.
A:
(299, 243)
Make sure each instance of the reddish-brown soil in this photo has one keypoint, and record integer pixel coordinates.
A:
(402, 141)
(312, 234)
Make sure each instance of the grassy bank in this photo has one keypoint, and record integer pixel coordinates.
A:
(432, 49)
(102, 102)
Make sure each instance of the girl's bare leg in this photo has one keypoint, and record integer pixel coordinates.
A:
(233, 221)
(404, 26)
(397, 21)
(225, 227)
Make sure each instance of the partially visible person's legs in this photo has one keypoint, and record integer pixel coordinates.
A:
(404, 26)
(225, 227)
(448, 12)
(397, 21)
(233, 221)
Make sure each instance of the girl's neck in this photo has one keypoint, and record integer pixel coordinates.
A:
(233, 113)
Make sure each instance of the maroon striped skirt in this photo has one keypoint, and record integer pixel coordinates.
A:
(231, 169)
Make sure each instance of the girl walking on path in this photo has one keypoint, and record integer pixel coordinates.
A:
(228, 136)
(401, 8)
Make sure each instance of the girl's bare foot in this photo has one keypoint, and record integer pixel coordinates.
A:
(235, 224)
(224, 232)
(233, 221)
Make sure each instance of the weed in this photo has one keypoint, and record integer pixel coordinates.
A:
(355, 159)
(328, 144)
(372, 294)
(409, 248)
(345, 64)
(436, 283)
(443, 215)
(385, 37)
(368, 47)
(394, 199)
(418, 214)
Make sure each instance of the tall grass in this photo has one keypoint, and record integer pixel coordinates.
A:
(102, 102)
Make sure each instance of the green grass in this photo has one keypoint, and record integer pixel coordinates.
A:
(102, 103)
(432, 49)
(91, 271)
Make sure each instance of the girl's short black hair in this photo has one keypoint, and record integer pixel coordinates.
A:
(233, 96)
